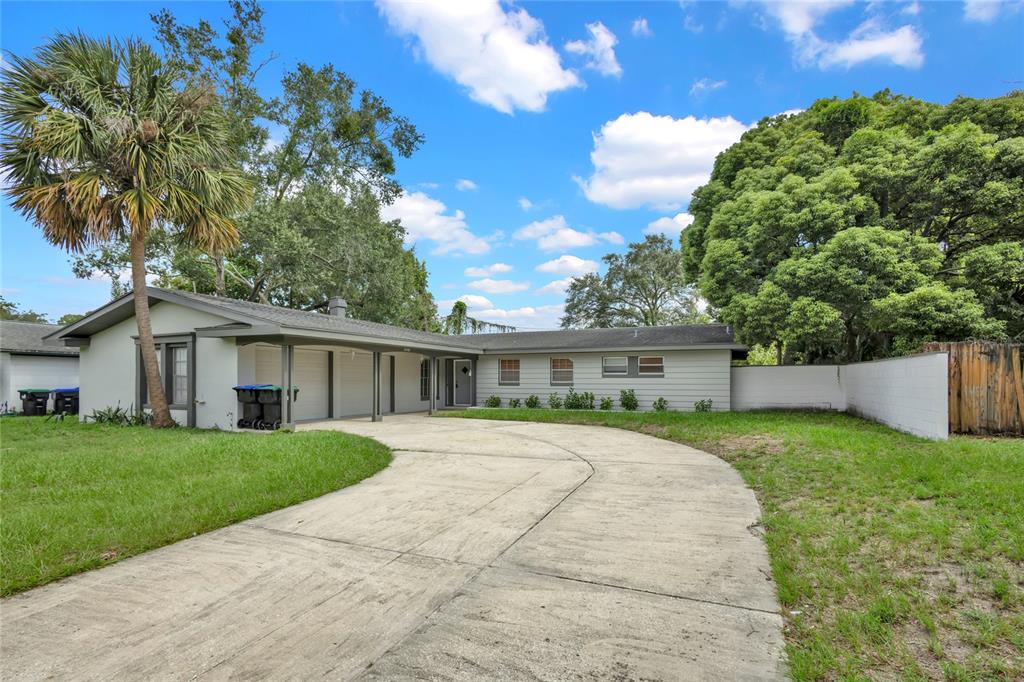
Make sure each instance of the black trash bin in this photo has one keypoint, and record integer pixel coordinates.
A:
(65, 400)
(270, 397)
(33, 401)
(252, 410)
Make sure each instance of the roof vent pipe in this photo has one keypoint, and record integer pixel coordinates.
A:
(337, 307)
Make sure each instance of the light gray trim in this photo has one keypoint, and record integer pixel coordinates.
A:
(330, 384)
(287, 379)
(391, 383)
(375, 393)
(472, 386)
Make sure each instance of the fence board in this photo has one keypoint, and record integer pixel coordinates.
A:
(986, 387)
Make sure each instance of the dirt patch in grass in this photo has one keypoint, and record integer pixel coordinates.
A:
(654, 430)
(738, 445)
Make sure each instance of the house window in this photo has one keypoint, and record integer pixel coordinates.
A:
(561, 371)
(425, 380)
(618, 364)
(179, 374)
(651, 365)
(508, 372)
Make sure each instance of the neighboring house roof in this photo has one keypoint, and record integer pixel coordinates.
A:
(26, 338)
(246, 318)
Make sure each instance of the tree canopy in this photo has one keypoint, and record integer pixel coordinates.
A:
(862, 227)
(322, 155)
(641, 288)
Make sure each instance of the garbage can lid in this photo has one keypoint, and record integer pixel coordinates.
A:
(250, 387)
(66, 390)
(33, 390)
(275, 387)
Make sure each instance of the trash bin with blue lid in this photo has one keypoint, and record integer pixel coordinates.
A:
(252, 410)
(65, 400)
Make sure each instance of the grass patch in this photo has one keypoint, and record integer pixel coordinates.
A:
(78, 496)
(895, 557)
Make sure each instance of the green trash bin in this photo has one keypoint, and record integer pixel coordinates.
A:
(33, 401)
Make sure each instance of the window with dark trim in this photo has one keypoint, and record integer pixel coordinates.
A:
(508, 372)
(615, 364)
(172, 361)
(561, 371)
(425, 379)
(651, 365)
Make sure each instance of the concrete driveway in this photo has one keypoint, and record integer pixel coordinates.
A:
(488, 550)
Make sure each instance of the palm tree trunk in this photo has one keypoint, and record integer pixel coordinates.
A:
(157, 398)
(220, 287)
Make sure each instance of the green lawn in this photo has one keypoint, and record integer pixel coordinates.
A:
(895, 557)
(78, 496)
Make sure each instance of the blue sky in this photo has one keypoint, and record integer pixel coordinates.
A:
(558, 132)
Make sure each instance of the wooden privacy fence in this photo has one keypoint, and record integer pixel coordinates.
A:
(986, 387)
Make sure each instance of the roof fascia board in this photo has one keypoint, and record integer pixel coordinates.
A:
(611, 349)
(311, 336)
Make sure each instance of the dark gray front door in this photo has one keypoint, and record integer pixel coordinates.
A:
(463, 382)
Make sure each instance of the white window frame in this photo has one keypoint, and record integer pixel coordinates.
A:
(640, 366)
(425, 379)
(518, 370)
(173, 361)
(551, 371)
(615, 373)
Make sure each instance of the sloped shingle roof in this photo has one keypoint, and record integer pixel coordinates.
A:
(27, 337)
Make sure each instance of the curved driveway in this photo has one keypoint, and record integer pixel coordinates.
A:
(488, 550)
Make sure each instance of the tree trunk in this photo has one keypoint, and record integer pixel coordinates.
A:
(219, 286)
(154, 382)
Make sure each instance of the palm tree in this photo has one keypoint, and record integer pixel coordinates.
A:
(101, 142)
(459, 322)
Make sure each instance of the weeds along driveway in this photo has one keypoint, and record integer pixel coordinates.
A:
(487, 550)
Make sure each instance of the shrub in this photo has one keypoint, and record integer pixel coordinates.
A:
(533, 402)
(702, 405)
(628, 401)
(579, 401)
(493, 401)
(660, 405)
(607, 403)
(513, 402)
(554, 402)
(120, 416)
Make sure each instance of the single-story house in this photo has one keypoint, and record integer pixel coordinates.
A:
(345, 367)
(27, 361)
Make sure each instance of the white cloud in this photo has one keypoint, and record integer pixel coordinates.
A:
(554, 234)
(424, 217)
(640, 28)
(705, 85)
(789, 112)
(525, 203)
(599, 50)
(429, 185)
(569, 265)
(529, 317)
(557, 287)
(488, 270)
(692, 25)
(499, 286)
(870, 41)
(641, 159)
(911, 9)
(984, 11)
(501, 57)
(670, 227)
(464, 185)
(472, 301)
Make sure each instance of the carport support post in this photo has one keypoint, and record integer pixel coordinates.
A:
(432, 364)
(375, 415)
(287, 363)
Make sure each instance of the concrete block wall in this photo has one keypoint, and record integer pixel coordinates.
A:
(910, 394)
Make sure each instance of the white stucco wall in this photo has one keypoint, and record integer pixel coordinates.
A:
(107, 365)
(34, 371)
(689, 376)
(815, 387)
(910, 394)
(407, 384)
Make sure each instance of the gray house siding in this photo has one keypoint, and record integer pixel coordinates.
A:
(690, 375)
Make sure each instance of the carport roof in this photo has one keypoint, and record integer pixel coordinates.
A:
(250, 319)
